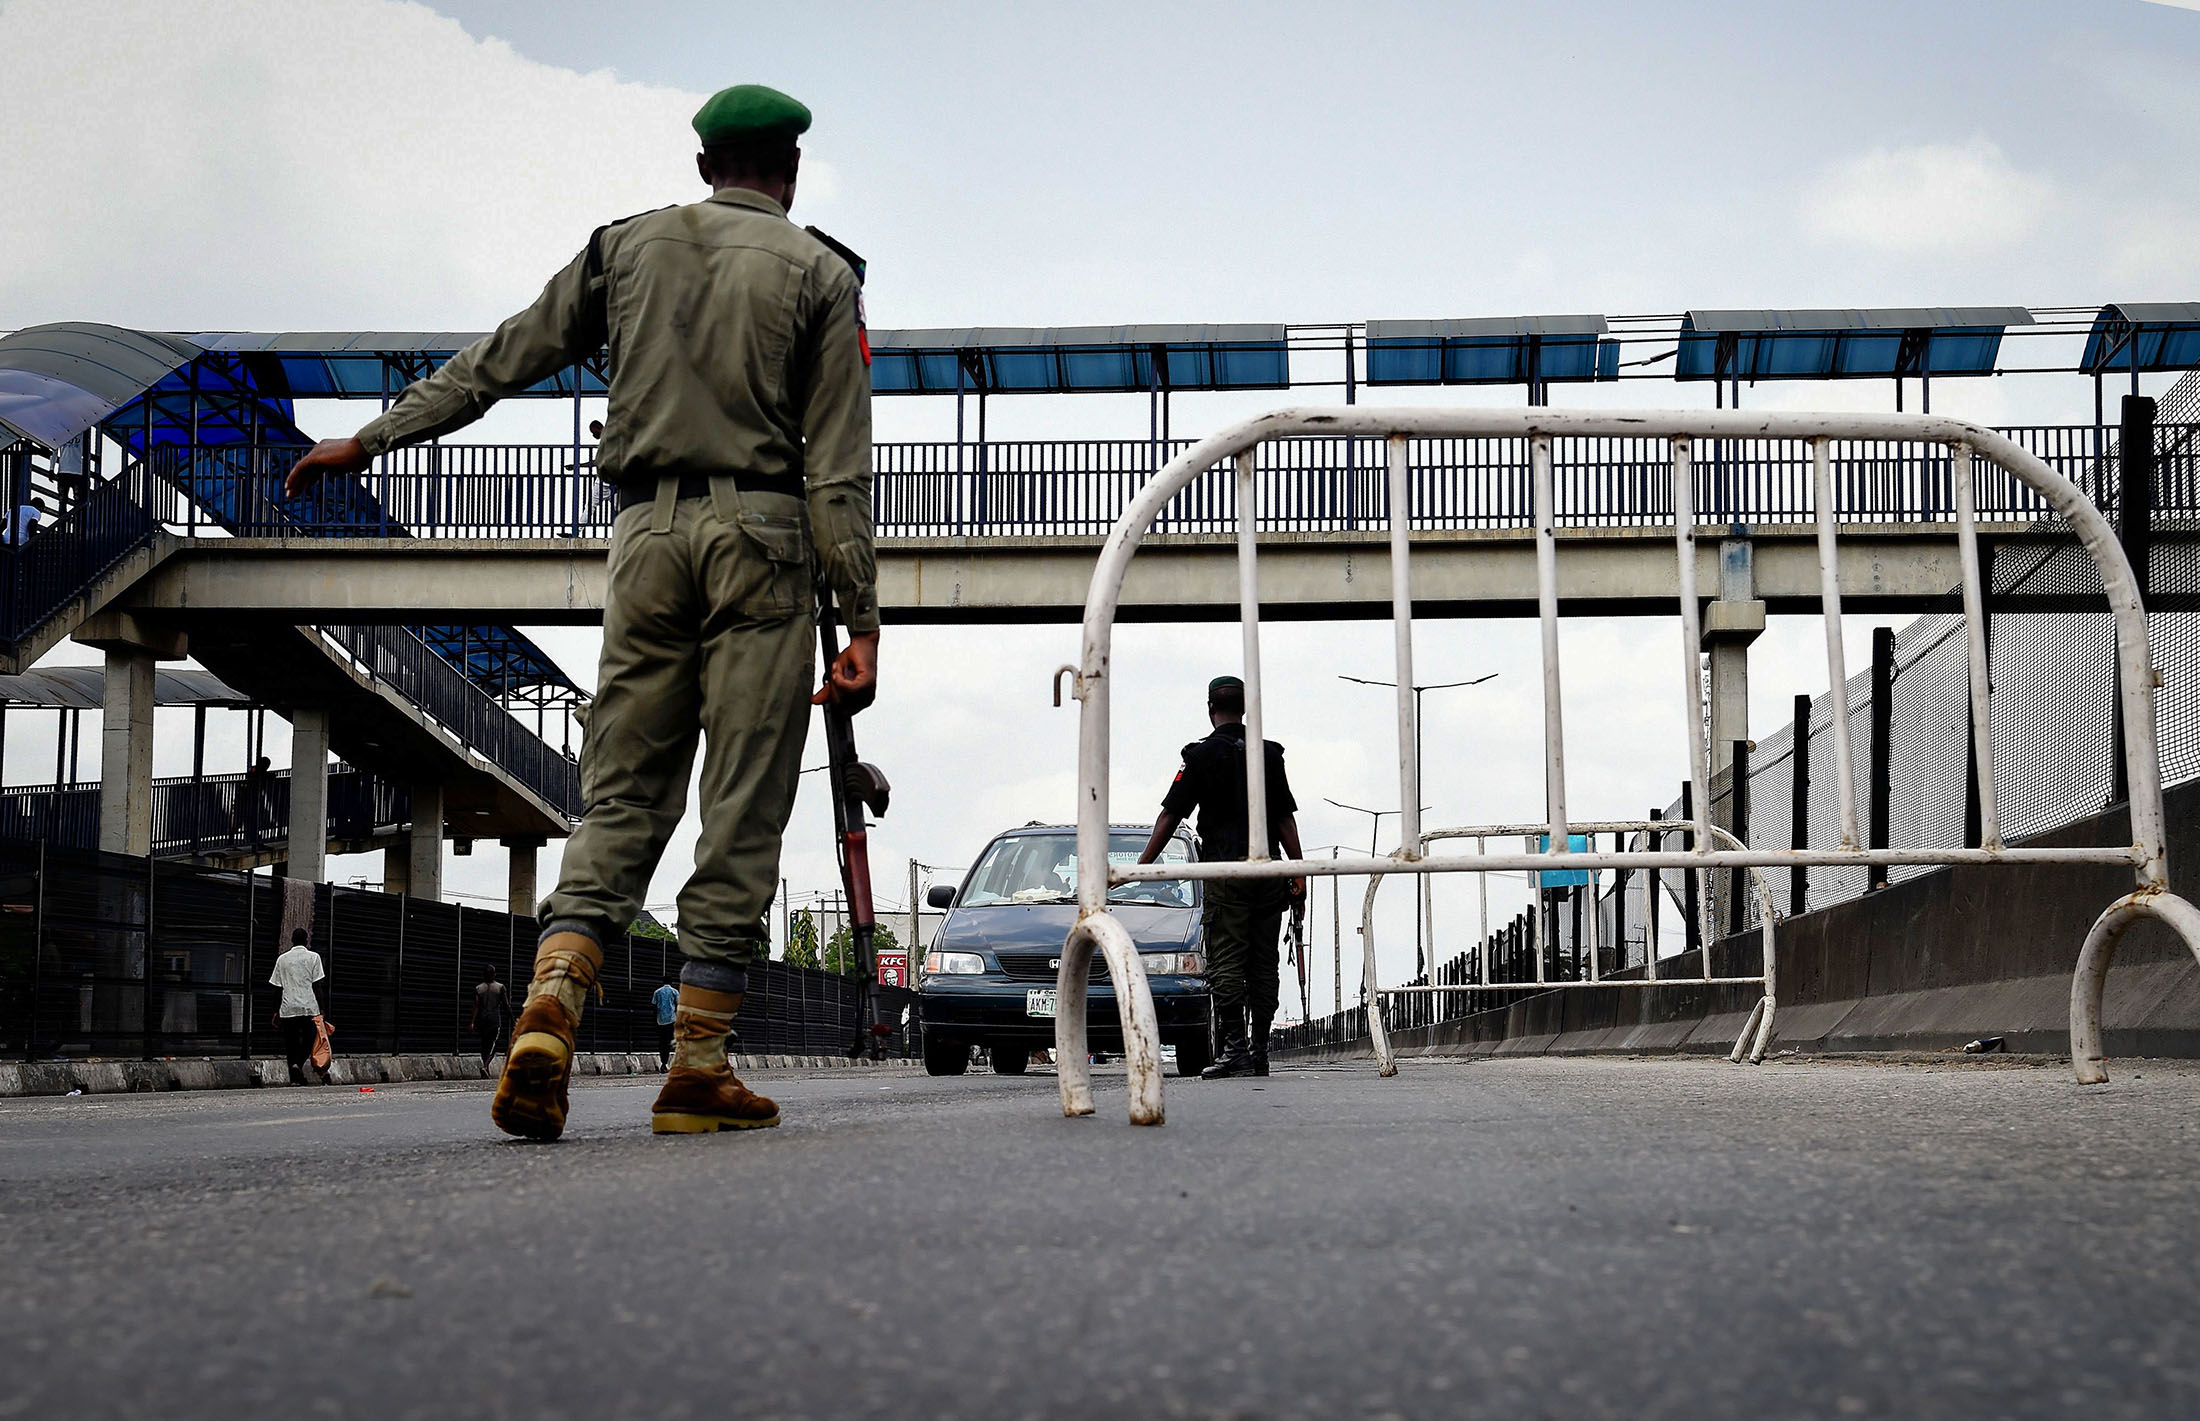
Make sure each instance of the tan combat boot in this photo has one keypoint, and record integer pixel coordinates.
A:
(531, 1095)
(701, 1093)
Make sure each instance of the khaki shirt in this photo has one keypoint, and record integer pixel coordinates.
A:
(736, 347)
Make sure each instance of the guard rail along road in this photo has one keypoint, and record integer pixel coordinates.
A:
(1958, 444)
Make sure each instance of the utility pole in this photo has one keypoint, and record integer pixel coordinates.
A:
(1423, 925)
(1374, 821)
(1336, 935)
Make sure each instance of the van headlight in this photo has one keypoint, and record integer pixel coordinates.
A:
(1174, 964)
(953, 964)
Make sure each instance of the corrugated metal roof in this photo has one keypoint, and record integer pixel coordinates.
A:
(1491, 350)
(83, 688)
(1886, 318)
(56, 381)
(985, 337)
(1489, 327)
(1080, 359)
(1844, 344)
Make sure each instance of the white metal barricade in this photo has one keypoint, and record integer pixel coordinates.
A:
(1965, 442)
(1756, 1033)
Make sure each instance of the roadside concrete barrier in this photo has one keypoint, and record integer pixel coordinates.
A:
(1935, 961)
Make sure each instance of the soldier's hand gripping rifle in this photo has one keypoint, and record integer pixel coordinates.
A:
(857, 787)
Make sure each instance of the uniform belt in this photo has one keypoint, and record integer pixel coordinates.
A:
(696, 484)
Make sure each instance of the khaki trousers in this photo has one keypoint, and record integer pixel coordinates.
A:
(707, 631)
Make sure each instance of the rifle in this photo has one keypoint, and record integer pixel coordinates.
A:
(1298, 955)
(856, 787)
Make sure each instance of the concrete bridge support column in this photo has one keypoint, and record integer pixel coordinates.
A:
(523, 893)
(126, 726)
(396, 861)
(1730, 624)
(308, 845)
(424, 860)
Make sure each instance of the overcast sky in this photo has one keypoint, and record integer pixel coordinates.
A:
(277, 164)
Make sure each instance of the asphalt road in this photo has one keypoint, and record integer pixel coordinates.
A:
(1518, 1239)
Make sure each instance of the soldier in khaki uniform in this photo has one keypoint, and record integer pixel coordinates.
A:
(739, 438)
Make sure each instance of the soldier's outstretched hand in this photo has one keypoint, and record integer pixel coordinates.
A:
(851, 682)
(330, 456)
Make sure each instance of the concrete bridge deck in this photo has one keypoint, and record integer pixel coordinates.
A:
(1483, 573)
(1639, 1239)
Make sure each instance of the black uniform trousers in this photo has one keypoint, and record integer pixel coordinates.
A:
(1243, 970)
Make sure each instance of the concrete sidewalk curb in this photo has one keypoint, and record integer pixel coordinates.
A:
(25, 1078)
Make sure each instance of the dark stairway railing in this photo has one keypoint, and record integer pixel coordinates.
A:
(216, 814)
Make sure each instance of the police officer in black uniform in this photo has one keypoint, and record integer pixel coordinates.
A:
(1241, 918)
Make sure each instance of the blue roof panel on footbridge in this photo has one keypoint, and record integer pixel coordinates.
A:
(211, 391)
(56, 381)
(1844, 344)
(1079, 359)
(2158, 335)
(354, 365)
(1503, 350)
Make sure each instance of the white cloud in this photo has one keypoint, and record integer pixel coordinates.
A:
(264, 164)
(1932, 199)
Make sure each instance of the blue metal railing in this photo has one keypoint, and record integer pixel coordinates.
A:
(1037, 488)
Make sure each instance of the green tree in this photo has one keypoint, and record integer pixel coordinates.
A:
(801, 940)
(840, 952)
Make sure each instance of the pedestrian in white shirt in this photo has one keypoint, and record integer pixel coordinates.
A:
(295, 972)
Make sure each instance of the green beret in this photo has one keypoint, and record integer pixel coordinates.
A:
(749, 111)
(1225, 683)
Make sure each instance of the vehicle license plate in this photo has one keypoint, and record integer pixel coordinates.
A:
(1039, 1001)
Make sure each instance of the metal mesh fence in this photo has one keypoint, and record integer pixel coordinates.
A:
(108, 955)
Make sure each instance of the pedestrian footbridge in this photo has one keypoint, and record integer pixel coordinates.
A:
(379, 613)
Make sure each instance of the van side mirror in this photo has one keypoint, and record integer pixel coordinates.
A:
(939, 896)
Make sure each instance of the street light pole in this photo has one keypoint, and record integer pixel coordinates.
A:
(1374, 822)
(1423, 918)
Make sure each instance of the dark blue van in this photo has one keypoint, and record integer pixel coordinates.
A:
(988, 978)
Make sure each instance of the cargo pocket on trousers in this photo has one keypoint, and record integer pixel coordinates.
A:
(779, 581)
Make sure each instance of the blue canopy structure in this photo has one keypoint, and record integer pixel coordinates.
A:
(1079, 359)
(60, 380)
(1505, 350)
(500, 660)
(152, 391)
(1844, 345)
(2160, 335)
(355, 365)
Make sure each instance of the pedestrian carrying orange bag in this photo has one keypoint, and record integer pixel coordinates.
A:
(322, 1052)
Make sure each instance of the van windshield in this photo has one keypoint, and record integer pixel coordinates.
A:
(1042, 868)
